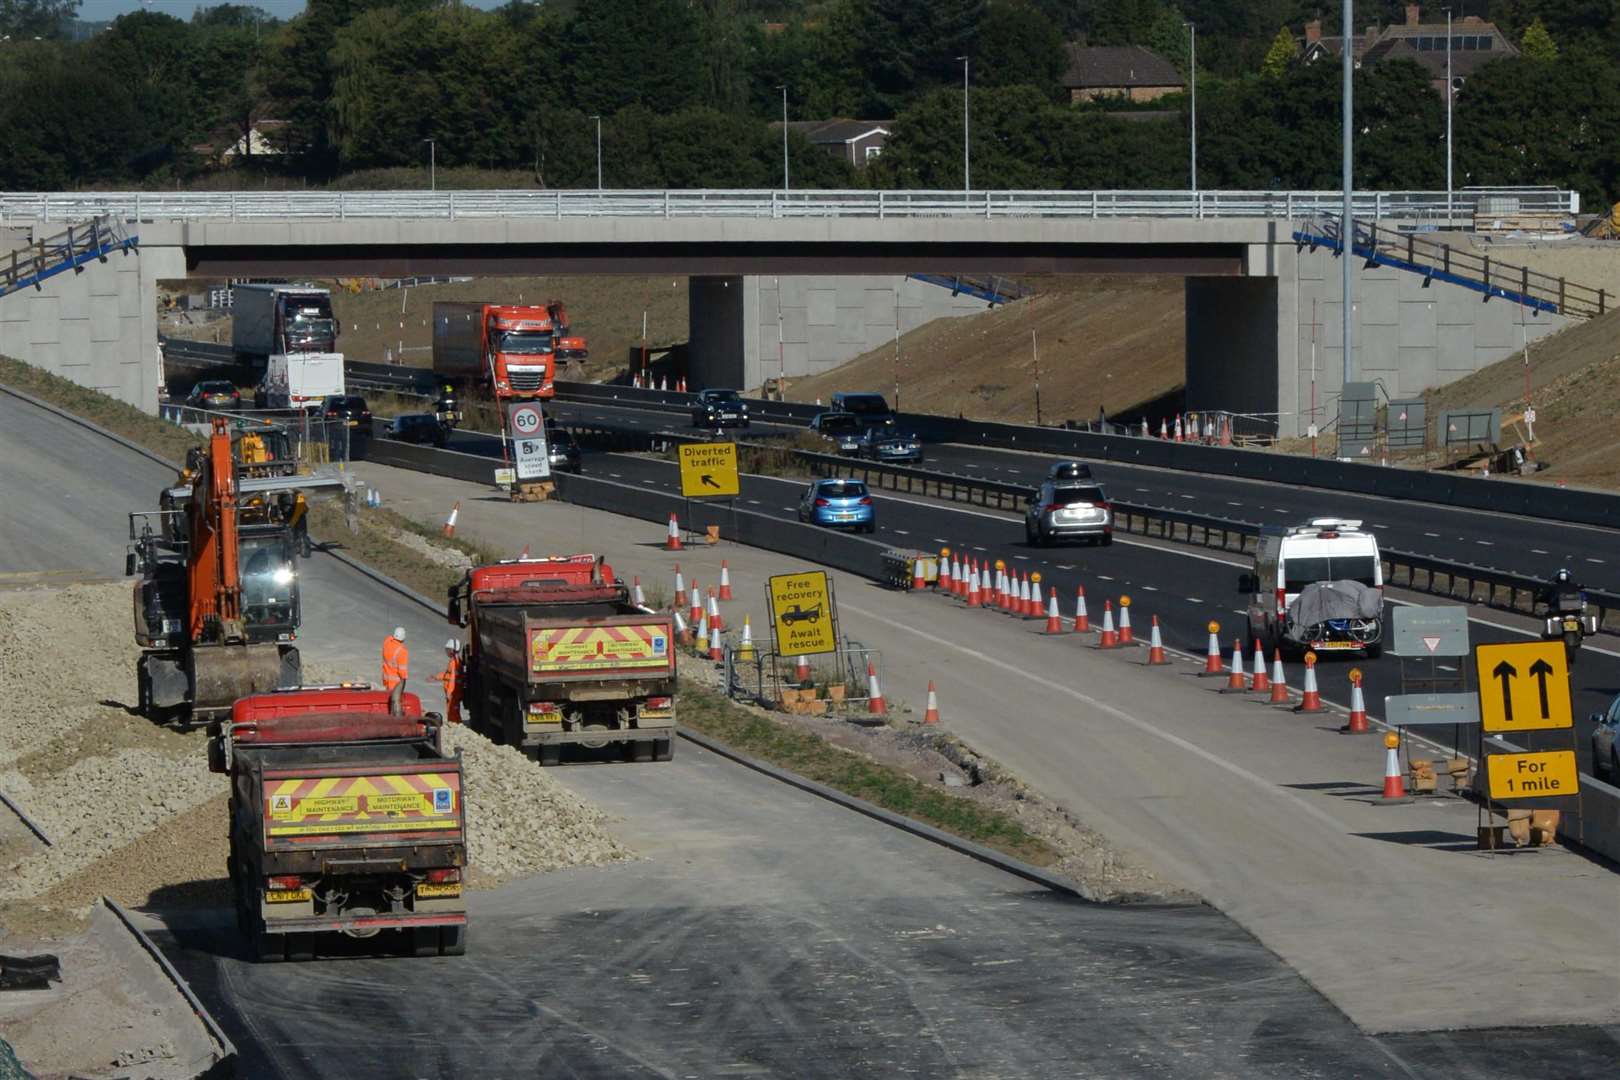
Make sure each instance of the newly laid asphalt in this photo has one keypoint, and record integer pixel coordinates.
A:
(763, 931)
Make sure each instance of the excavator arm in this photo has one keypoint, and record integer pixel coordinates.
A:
(214, 571)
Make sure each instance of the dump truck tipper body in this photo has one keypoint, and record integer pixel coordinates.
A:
(558, 655)
(344, 818)
(508, 349)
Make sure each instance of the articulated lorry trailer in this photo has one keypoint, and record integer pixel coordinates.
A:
(507, 350)
(559, 655)
(345, 818)
(288, 334)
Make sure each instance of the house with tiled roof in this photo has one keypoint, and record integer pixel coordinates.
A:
(1128, 72)
(1474, 43)
(856, 141)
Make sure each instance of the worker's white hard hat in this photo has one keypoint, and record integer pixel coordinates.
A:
(452, 645)
(399, 633)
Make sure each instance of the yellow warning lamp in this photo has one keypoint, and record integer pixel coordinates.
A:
(1214, 627)
(1310, 659)
(1036, 576)
(945, 553)
(1000, 565)
(1392, 740)
(1355, 674)
(1125, 601)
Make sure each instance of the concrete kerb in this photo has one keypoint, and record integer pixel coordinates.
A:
(225, 1062)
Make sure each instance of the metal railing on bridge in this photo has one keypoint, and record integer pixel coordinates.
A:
(1425, 206)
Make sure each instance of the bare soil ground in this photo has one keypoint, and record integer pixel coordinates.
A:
(1115, 342)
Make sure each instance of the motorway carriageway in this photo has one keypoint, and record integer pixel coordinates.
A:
(1185, 587)
(1521, 545)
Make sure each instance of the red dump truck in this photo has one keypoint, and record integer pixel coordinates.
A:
(558, 655)
(506, 349)
(346, 818)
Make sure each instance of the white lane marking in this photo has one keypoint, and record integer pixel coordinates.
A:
(1144, 490)
(942, 540)
(1065, 566)
(1445, 667)
(1434, 535)
(1484, 543)
(1590, 559)
(1184, 495)
(1192, 600)
(654, 481)
(1231, 503)
(1118, 714)
(1537, 551)
(795, 509)
(752, 502)
(1150, 588)
(1104, 577)
(901, 532)
(615, 476)
(976, 547)
(1022, 558)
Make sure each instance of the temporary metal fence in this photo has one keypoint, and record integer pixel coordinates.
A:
(293, 441)
(1426, 206)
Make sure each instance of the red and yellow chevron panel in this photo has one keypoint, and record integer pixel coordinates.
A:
(598, 648)
(320, 806)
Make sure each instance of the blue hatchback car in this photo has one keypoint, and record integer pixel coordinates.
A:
(840, 504)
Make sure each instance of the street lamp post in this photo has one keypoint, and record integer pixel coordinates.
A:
(967, 162)
(1192, 75)
(433, 165)
(785, 185)
(1347, 226)
(598, 120)
(1449, 91)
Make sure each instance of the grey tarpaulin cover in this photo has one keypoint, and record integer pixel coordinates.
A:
(1323, 600)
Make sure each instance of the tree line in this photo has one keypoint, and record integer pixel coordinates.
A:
(686, 93)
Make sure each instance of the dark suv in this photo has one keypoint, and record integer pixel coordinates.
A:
(352, 411)
(718, 409)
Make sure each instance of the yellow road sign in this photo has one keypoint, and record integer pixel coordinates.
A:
(1546, 775)
(801, 605)
(708, 469)
(1523, 686)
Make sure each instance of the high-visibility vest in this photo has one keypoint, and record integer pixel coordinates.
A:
(396, 662)
(451, 678)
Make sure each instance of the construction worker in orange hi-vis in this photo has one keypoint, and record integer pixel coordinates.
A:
(396, 666)
(451, 678)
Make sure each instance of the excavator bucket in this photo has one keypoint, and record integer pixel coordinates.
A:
(222, 673)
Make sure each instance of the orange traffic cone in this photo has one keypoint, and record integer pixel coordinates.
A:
(875, 704)
(1310, 700)
(725, 580)
(1082, 622)
(1156, 645)
(959, 577)
(673, 543)
(931, 716)
(1035, 605)
(1054, 621)
(683, 632)
(680, 588)
(1260, 682)
(947, 582)
(450, 522)
(1357, 724)
(636, 595)
(802, 671)
(696, 615)
(680, 385)
(974, 597)
(715, 653)
(1125, 635)
(1164, 428)
(1109, 638)
(714, 613)
(1394, 782)
(919, 578)
(1234, 677)
(1279, 682)
(1212, 659)
(701, 636)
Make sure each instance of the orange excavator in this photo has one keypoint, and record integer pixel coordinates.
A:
(567, 348)
(216, 604)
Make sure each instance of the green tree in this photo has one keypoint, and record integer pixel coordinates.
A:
(151, 58)
(907, 48)
(1280, 57)
(1537, 44)
(634, 52)
(47, 19)
(46, 96)
(1018, 45)
(1016, 135)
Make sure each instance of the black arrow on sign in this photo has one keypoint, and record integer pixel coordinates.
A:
(1507, 673)
(709, 481)
(1541, 669)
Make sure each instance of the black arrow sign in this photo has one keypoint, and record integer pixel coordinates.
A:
(708, 481)
(1507, 673)
(1541, 669)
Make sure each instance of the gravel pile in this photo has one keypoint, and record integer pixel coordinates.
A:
(519, 820)
(454, 558)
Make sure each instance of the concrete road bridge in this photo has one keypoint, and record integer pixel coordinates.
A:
(815, 263)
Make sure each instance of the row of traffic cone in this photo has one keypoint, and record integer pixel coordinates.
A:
(645, 382)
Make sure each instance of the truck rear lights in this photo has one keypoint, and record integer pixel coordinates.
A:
(286, 889)
(445, 874)
(284, 881)
(657, 706)
(544, 712)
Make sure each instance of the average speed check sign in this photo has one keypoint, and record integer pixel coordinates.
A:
(529, 453)
(708, 469)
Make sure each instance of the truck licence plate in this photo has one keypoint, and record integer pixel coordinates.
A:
(427, 890)
(287, 896)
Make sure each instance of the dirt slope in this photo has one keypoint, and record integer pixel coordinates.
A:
(1575, 386)
(1115, 342)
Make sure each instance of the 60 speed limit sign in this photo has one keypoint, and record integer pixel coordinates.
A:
(529, 455)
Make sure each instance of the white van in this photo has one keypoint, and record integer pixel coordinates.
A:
(299, 380)
(1290, 559)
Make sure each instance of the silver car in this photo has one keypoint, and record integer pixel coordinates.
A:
(1606, 742)
(1066, 510)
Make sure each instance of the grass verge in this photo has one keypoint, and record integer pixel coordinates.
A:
(378, 545)
(755, 733)
(114, 415)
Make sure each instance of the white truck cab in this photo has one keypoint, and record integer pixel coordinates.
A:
(1290, 558)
